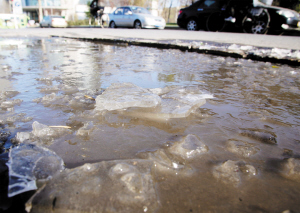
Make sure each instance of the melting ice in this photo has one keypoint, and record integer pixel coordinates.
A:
(169, 102)
(28, 163)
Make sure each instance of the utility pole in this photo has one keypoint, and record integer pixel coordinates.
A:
(40, 12)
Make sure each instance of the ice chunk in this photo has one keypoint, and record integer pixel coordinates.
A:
(81, 103)
(155, 104)
(122, 96)
(175, 158)
(291, 169)
(44, 131)
(162, 91)
(280, 53)
(108, 186)
(52, 90)
(242, 148)
(46, 81)
(11, 118)
(176, 102)
(188, 95)
(10, 104)
(8, 94)
(53, 100)
(28, 163)
(232, 171)
(189, 147)
(121, 169)
(23, 136)
(166, 163)
(68, 90)
(129, 175)
(86, 129)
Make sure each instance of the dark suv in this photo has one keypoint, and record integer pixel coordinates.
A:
(247, 15)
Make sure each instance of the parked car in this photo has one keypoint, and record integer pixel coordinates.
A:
(136, 17)
(53, 21)
(247, 15)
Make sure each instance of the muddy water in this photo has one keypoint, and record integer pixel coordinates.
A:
(253, 118)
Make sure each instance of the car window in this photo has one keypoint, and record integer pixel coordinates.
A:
(140, 10)
(209, 4)
(119, 11)
(126, 11)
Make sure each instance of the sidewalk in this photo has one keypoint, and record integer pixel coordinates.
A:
(268, 48)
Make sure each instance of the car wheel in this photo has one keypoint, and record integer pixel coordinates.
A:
(192, 25)
(215, 22)
(49, 26)
(112, 24)
(41, 26)
(256, 24)
(137, 25)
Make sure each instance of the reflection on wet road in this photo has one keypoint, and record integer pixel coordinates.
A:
(200, 133)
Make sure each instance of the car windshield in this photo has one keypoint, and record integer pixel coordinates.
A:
(139, 10)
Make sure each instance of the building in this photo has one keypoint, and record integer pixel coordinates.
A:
(4, 6)
(70, 9)
(65, 8)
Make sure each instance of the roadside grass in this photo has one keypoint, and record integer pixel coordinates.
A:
(85, 22)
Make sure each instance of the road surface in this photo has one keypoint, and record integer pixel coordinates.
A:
(266, 41)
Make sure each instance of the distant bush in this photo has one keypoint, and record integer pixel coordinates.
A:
(79, 22)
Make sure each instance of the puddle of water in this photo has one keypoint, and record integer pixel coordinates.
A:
(250, 127)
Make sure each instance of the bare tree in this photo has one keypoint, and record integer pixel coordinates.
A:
(186, 2)
(170, 10)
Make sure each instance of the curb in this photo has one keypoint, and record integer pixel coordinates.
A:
(190, 48)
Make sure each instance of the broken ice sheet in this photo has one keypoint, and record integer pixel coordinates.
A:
(154, 104)
(46, 132)
(108, 186)
(28, 163)
(122, 96)
(176, 102)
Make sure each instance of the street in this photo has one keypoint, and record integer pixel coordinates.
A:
(103, 122)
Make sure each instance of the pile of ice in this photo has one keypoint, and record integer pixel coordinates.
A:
(12, 117)
(52, 100)
(243, 50)
(6, 104)
(71, 99)
(159, 103)
(42, 132)
(28, 163)
(117, 186)
(108, 186)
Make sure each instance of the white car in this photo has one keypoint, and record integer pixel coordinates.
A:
(137, 17)
(53, 21)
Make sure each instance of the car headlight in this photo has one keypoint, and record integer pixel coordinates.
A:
(286, 13)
